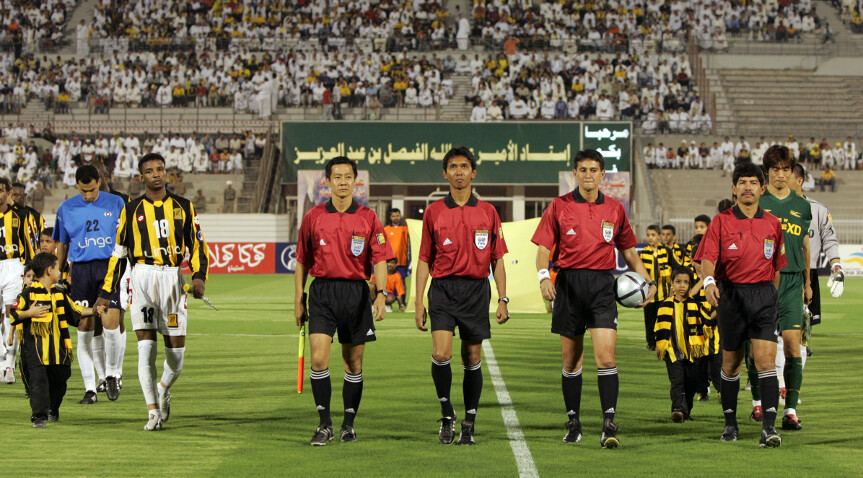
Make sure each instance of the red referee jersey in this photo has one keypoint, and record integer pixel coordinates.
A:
(744, 250)
(342, 245)
(461, 240)
(585, 232)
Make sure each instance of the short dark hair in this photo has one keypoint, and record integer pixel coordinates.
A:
(702, 218)
(778, 155)
(340, 160)
(16, 184)
(724, 204)
(588, 155)
(682, 270)
(5, 183)
(459, 151)
(149, 157)
(670, 228)
(747, 170)
(48, 231)
(653, 227)
(87, 173)
(392, 210)
(41, 262)
(799, 171)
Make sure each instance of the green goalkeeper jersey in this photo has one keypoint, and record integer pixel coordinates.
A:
(795, 213)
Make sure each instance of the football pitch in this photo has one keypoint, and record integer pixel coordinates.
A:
(236, 411)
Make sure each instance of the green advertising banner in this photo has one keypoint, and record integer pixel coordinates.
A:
(613, 141)
(411, 152)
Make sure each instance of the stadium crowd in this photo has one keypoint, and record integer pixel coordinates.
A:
(29, 23)
(815, 155)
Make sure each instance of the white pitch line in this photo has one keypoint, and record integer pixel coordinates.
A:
(523, 458)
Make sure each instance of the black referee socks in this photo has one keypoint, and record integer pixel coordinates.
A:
(769, 384)
(352, 393)
(472, 389)
(571, 383)
(442, 376)
(729, 387)
(322, 390)
(609, 386)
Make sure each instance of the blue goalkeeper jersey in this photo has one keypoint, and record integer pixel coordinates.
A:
(89, 229)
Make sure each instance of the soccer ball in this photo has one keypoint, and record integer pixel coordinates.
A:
(630, 289)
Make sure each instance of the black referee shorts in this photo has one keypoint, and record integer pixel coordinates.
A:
(86, 280)
(459, 301)
(343, 306)
(585, 300)
(747, 311)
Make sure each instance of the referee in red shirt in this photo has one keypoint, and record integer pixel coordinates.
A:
(462, 240)
(586, 225)
(741, 255)
(338, 243)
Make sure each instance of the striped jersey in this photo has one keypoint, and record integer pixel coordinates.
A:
(158, 233)
(15, 235)
(50, 333)
(658, 263)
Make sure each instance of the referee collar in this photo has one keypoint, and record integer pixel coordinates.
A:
(739, 214)
(450, 202)
(351, 209)
(578, 198)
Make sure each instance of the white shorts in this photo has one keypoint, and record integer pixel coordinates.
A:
(11, 280)
(126, 286)
(158, 300)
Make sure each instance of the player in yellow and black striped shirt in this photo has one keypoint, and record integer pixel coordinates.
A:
(154, 232)
(658, 261)
(16, 248)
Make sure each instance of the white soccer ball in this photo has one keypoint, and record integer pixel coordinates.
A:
(630, 289)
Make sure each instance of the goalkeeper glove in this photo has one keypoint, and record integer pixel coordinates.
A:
(836, 283)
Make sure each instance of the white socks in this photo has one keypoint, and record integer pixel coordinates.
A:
(173, 365)
(113, 349)
(99, 355)
(147, 369)
(122, 353)
(780, 361)
(85, 360)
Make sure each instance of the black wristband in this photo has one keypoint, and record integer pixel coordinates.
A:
(381, 291)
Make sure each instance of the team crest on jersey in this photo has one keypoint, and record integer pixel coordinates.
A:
(178, 212)
(769, 247)
(15, 222)
(358, 243)
(480, 238)
(607, 230)
(381, 239)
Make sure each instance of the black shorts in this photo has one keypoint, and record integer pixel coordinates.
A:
(747, 311)
(86, 280)
(344, 306)
(815, 305)
(459, 301)
(585, 300)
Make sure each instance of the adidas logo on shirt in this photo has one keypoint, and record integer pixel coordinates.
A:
(732, 247)
(323, 243)
(570, 232)
(447, 242)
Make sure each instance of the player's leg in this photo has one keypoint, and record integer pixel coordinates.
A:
(84, 358)
(690, 385)
(702, 380)
(113, 345)
(780, 364)
(352, 390)
(322, 328)
(146, 288)
(676, 390)
(752, 378)
(733, 323)
(11, 272)
(171, 319)
(793, 375)
(99, 353)
(650, 311)
(8, 363)
(604, 341)
(58, 377)
(764, 352)
(729, 387)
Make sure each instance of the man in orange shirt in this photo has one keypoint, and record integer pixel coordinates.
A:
(398, 237)
(395, 290)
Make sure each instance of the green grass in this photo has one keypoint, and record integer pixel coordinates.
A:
(236, 410)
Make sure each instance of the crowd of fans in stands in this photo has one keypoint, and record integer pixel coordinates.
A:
(23, 160)
(727, 153)
(31, 22)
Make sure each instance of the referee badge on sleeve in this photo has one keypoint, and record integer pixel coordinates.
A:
(607, 231)
(480, 238)
(769, 247)
(358, 243)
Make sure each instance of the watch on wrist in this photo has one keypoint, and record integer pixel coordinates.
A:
(504, 299)
(381, 291)
(653, 282)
